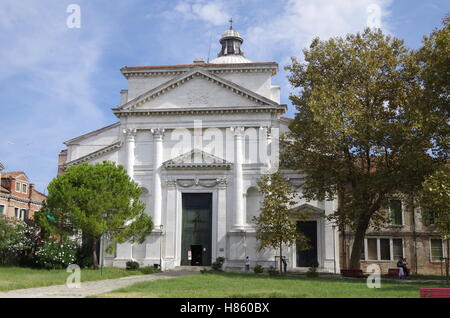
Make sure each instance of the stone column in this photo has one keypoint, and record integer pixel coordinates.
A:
(222, 217)
(238, 176)
(124, 252)
(158, 135)
(130, 138)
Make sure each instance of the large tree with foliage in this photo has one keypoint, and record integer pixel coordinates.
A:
(357, 132)
(275, 225)
(100, 200)
(435, 205)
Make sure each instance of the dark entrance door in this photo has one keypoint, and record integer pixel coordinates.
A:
(197, 253)
(308, 257)
(196, 236)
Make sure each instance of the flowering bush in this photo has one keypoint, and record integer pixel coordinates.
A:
(54, 255)
(15, 240)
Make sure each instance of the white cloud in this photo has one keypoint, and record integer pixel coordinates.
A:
(213, 12)
(50, 69)
(302, 20)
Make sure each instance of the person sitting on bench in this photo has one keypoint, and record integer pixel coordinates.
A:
(401, 272)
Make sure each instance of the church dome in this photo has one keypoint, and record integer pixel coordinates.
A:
(231, 52)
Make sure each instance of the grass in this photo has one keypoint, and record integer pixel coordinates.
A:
(19, 277)
(219, 285)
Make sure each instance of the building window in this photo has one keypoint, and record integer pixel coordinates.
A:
(17, 213)
(436, 250)
(372, 250)
(2, 209)
(23, 214)
(397, 248)
(24, 188)
(18, 186)
(385, 250)
(395, 207)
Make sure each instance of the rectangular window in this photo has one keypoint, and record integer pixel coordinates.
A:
(396, 212)
(23, 214)
(24, 188)
(17, 213)
(436, 250)
(2, 209)
(397, 248)
(385, 249)
(18, 185)
(372, 253)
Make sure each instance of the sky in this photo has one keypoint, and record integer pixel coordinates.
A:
(60, 79)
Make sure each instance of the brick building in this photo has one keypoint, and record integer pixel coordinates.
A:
(408, 235)
(18, 197)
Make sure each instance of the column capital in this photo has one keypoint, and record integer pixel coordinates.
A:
(237, 130)
(171, 183)
(158, 133)
(130, 133)
(222, 182)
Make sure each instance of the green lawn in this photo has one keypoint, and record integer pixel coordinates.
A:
(19, 277)
(217, 285)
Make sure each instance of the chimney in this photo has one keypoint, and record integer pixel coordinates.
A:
(199, 61)
(62, 159)
(123, 96)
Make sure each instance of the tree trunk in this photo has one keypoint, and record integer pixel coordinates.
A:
(358, 244)
(94, 253)
(281, 257)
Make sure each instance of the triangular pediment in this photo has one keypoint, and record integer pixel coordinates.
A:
(196, 89)
(196, 158)
(307, 209)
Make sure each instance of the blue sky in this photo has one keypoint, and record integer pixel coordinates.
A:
(57, 83)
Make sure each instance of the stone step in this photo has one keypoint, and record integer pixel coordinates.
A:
(190, 268)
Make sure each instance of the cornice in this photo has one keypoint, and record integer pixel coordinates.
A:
(161, 70)
(17, 199)
(94, 154)
(281, 109)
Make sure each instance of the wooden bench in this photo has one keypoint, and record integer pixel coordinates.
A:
(393, 272)
(358, 273)
(434, 292)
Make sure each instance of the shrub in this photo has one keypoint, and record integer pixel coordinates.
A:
(132, 265)
(217, 265)
(258, 269)
(149, 270)
(55, 255)
(312, 271)
(15, 240)
(273, 271)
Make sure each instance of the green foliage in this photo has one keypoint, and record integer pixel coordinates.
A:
(258, 269)
(435, 200)
(132, 265)
(273, 271)
(100, 200)
(359, 132)
(275, 225)
(15, 240)
(56, 255)
(147, 270)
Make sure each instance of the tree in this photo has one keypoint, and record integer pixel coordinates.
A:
(100, 200)
(433, 59)
(275, 225)
(356, 133)
(435, 206)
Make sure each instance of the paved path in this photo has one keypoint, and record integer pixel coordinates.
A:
(90, 288)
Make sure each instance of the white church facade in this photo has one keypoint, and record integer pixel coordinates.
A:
(196, 138)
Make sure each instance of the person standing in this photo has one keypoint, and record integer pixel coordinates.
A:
(401, 272)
